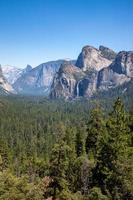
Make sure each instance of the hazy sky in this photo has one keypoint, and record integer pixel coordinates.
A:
(35, 31)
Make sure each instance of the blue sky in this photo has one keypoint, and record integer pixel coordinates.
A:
(35, 31)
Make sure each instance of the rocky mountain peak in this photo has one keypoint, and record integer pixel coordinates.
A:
(28, 68)
(38, 80)
(69, 68)
(91, 58)
(119, 72)
(89, 48)
(95, 70)
(107, 53)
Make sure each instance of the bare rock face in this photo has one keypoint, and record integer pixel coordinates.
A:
(119, 72)
(27, 69)
(123, 63)
(91, 58)
(79, 80)
(65, 81)
(107, 79)
(93, 72)
(87, 85)
(37, 81)
(107, 53)
(71, 82)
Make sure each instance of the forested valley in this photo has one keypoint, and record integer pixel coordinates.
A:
(59, 150)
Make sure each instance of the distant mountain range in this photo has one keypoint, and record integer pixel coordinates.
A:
(94, 71)
(5, 87)
(38, 80)
(12, 73)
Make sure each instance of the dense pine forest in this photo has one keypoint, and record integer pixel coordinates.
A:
(57, 150)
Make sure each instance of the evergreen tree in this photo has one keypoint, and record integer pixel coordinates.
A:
(80, 142)
(4, 154)
(109, 168)
(95, 130)
(131, 127)
(82, 170)
(96, 194)
(59, 164)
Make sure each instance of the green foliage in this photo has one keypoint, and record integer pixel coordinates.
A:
(63, 151)
(13, 188)
(96, 194)
(82, 174)
(96, 131)
(65, 195)
(110, 168)
(80, 142)
(59, 164)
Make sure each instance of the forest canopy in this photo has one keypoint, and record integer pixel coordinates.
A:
(57, 150)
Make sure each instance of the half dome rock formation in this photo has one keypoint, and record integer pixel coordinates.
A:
(5, 87)
(37, 81)
(27, 69)
(91, 58)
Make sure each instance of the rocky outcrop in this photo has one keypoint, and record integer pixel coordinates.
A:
(71, 82)
(91, 58)
(107, 53)
(123, 63)
(27, 69)
(107, 79)
(95, 70)
(67, 85)
(37, 81)
(65, 81)
(119, 72)
(94, 73)
(86, 87)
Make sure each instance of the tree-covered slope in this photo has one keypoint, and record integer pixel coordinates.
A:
(65, 150)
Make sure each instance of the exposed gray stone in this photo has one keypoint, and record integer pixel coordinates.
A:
(107, 53)
(91, 58)
(120, 71)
